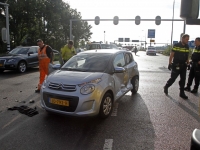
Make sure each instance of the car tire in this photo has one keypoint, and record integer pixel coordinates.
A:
(135, 84)
(106, 106)
(1, 70)
(21, 67)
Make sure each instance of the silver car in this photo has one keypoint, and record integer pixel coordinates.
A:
(90, 83)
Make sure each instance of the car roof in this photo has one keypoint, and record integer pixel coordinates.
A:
(108, 51)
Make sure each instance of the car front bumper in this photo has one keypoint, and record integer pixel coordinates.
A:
(79, 105)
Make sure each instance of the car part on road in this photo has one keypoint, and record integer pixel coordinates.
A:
(195, 140)
(25, 110)
(106, 106)
(135, 84)
(22, 66)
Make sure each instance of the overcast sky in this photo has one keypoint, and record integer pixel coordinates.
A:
(129, 9)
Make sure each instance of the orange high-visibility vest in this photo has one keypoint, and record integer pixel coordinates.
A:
(42, 55)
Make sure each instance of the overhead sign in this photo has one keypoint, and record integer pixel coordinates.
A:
(151, 33)
(191, 44)
(127, 39)
(135, 40)
(120, 40)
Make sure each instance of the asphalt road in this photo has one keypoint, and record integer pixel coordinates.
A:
(149, 120)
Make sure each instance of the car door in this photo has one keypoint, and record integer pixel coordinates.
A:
(32, 56)
(129, 67)
(120, 79)
(57, 61)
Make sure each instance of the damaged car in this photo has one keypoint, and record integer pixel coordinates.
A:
(90, 83)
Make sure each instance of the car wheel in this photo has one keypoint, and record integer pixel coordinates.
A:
(135, 84)
(22, 66)
(106, 106)
(1, 70)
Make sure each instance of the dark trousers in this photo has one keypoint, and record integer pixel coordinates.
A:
(194, 74)
(178, 69)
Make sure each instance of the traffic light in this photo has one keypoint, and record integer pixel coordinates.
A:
(116, 20)
(137, 20)
(158, 20)
(97, 20)
(189, 9)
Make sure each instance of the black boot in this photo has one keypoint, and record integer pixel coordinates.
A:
(194, 91)
(166, 90)
(182, 95)
(187, 88)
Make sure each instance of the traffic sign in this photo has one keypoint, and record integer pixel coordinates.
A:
(191, 44)
(127, 39)
(120, 40)
(135, 40)
(151, 33)
(152, 40)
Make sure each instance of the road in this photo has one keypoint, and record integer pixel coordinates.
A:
(149, 120)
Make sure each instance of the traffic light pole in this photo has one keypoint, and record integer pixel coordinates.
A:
(71, 21)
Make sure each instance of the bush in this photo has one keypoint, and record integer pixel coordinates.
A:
(168, 50)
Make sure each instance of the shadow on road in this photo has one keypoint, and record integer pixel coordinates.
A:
(14, 73)
(186, 109)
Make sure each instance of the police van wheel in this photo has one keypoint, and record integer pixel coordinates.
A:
(135, 84)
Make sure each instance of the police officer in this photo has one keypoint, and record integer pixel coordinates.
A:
(195, 68)
(178, 62)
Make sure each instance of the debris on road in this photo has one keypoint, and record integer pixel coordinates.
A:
(25, 110)
(5, 98)
(31, 101)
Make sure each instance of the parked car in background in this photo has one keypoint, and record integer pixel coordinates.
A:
(92, 46)
(87, 86)
(19, 59)
(151, 50)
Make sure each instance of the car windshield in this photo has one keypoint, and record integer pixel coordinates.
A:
(92, 62)
(19, 50)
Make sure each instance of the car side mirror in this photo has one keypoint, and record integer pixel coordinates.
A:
(119, 70)
(29, 53)
(56, 66)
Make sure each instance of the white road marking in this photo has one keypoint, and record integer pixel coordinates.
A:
(108, 144)
(114, 113)
(18, 116)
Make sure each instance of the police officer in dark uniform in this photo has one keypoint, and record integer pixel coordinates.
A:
(195, 68)
(178, 62)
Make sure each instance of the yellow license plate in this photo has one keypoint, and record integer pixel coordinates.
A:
(1, 65)
(59, 102)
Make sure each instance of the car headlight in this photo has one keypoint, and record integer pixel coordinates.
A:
(96, 81)
(44, 84)
(87, 89)
(11, 60)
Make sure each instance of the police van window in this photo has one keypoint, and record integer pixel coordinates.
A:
(119, 60)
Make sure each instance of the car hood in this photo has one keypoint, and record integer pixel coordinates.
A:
(9, 55)
(73, 77)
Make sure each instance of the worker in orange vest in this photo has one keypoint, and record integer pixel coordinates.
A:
(45, 54)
